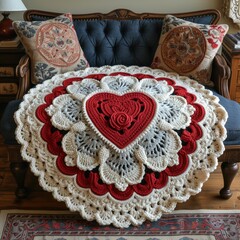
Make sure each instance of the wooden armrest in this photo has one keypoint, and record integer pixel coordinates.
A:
(23, 73)
(221, 75)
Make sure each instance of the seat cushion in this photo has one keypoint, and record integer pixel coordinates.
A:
(8, 124)
(233, 122)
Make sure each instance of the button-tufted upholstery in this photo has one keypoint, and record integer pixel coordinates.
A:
(111, 42)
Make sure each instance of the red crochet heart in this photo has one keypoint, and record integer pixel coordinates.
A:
(121, 119)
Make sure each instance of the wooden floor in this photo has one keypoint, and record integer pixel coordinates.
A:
(39, 199)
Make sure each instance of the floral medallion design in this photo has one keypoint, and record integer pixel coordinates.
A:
(58, 44)
(121, 144)
(183, 49)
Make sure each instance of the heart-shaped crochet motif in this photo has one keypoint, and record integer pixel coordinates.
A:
(120, 118)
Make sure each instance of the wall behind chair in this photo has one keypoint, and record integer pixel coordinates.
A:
(85, 6)
(104, 6)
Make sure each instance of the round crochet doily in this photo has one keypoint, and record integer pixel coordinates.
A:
(121, 144)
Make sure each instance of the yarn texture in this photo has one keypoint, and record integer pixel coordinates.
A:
(121, 145)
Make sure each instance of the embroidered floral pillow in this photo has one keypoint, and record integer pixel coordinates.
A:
(52, 46)
(188, 48)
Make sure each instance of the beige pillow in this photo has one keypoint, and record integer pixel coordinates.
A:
(52, 45)
(188, 48)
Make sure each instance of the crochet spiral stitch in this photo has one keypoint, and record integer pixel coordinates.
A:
(121, 144)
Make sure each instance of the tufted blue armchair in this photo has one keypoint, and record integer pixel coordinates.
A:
(127, 38)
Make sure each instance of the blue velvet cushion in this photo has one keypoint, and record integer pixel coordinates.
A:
(111, 42)
(233, 124)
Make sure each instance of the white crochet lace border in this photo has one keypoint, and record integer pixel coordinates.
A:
(105, 209)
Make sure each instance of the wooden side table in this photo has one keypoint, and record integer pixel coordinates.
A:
(9, 82)
(232, 57)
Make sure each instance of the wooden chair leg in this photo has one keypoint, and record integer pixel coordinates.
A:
(229, 171)
(19, 170)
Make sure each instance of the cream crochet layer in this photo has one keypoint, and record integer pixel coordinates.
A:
(106, 209)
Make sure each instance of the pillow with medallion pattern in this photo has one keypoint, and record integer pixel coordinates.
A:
(52, 45)
(188, 48)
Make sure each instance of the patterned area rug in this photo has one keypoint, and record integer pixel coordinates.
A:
(179, 225)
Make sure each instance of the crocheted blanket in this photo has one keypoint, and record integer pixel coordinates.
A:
(121, 144)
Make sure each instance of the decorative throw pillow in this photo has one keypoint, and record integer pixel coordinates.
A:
(52, 46)
(188, 48)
